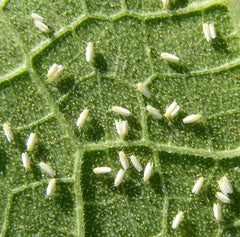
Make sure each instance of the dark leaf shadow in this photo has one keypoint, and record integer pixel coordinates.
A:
(156, 183)
(3, 162)
(64, 197)
(178, 67)
(65, 85)
(176, 4)
(100, 63)
(220, 44)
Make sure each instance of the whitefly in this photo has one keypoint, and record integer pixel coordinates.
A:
(154, 112)
(51, 187)
(143, 89)
(41, 26)
(119, 177)
(148, 171)
(135, 162)
(102, 170)
(177, 220)
(31, 141)
(198, 185)
(8, 132)
(47, 169)
(120, 110)
(123, 160)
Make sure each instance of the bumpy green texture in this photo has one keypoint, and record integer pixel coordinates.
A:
(128, 37)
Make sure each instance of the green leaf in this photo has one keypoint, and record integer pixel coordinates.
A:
(128, 38)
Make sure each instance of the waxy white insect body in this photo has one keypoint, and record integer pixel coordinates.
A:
(217, 210)
(82, 118)
(148, 171)
(206, 32)
(47, 169)
(212, 31)
(122, 128)
(222, 197)
(237, 169)
(8, 132)
(51, 187)
(172, 110)
(35, 16)
(26, 161)
(165, 3)
(191, 118)
(154, 112)
(54, 72)
(225, 185)
(198, 185)
(143, 89)
(90, 56)
(123, 160)
(102, 170)
(175, 112)
(170, 57)
(135, 162)
(119, 178)
(31, 141)
(121, 111)
(209, 31)
(41, 26)
(177, 220)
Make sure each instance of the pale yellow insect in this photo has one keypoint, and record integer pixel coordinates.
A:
(8, 132)
(102, 170)
(82, 118)
(51, 187)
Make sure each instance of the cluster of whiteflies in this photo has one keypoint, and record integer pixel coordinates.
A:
(125, 165)
(38, 22)
(226, 188)
(26, 161)
(122, 125)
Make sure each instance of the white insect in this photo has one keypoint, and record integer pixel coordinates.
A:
(82, 118)
(148, 171)
(26, 161)
(217, 210)
(119, 178)
(154, 112)
(8, 132)
(172, 110)
(121, 111)
(54, 72)
(47, 169)
(222, 197)
(90, 53)
(123, 160)
(237, 169)
(41, 26)
(198, 185)
(170, 57)
(212, 31)
(191, 118)
(175, 112)
(35, 16)
(102, 170)
(225, 185)
(143, 89)
(177, 220)
(136, 163)
(122, 128)
(51, 187)
(31, 141)
(165, 3)
(206, 32)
